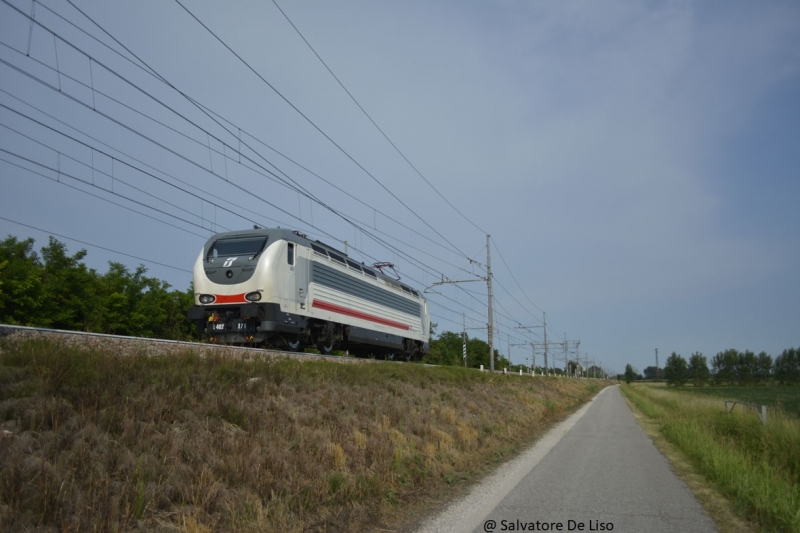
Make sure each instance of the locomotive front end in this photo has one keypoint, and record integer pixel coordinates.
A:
(231, 285)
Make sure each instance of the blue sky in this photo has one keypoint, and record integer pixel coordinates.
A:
(635, 163)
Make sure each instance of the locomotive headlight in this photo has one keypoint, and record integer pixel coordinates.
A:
(253, 296)
(207, 298)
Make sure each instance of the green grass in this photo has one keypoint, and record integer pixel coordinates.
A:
(785, 397)
(103, 442)
(757, 467)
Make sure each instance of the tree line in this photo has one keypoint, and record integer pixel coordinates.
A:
(56, 290)
(729, 367)
(448, 350)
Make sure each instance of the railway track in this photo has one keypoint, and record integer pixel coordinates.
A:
(126, 345)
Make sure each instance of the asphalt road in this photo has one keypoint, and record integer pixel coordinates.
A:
(597, 471)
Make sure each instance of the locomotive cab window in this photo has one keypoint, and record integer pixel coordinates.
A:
(237, 246)
(290, 253)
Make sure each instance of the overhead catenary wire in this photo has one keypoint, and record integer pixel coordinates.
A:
(508, 269)
(136, 132)
(94, 245)
(101, 198)
(314, 125)
(65, 174)
(210, 112)
(518, 285)
(240, 208)
(139, 161)
(364, 111)
(328, 182)
(154, 73)
(114, 178)
(114, 158)
(149, 70)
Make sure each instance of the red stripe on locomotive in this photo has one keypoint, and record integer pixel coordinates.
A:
(357, 314)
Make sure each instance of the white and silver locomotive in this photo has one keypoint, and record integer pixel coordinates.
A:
(276, 287)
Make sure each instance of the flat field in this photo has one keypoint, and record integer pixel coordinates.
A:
(785, 397)
(92, 440)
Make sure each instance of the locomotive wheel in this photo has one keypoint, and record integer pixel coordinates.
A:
(410, 350)
(292, 345)
(325, 349)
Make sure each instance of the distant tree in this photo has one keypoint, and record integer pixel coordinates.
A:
(68, 287)
(651, 372)
(478, 353)
(787, 366)
(500, 361)
(764, 367)
(747, 368)
(595, 371)
(573, 368)
(446, 350)
(630, 374)
(724, 366)
(3, 264)
(698, 369)
(176, 326)
(21, 295)
(675, 370)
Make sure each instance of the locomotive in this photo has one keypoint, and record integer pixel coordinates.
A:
(275, 287)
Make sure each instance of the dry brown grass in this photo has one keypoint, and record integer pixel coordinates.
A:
(101, 442)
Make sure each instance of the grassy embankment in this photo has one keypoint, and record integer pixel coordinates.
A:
(104, 442)
(756, 467)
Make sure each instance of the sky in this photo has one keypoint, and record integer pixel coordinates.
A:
(635, 163)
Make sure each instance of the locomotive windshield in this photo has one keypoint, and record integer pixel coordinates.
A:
(248, 246)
